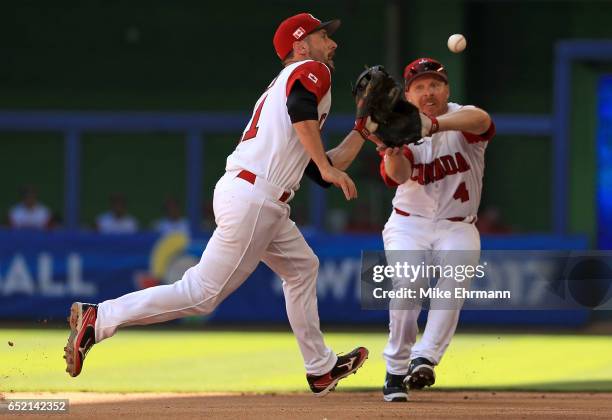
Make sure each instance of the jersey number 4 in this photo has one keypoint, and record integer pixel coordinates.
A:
(461, 193)
(252, 131)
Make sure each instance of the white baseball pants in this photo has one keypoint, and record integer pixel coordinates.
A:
(423, 234)
(252, 226)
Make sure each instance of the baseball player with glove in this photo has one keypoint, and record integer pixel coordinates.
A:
(433, 151)
(281, 142)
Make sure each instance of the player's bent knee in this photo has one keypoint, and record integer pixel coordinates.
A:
(207, 306)
(313, 263)
(308, 270)
(207, 299)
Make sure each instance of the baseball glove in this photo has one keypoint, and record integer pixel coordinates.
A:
(382, 110)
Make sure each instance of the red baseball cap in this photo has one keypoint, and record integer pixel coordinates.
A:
(422, 66)
(296, 28)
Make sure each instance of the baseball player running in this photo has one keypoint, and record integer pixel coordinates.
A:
(281, 141)
(439, 183)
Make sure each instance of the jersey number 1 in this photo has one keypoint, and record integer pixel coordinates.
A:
(252, 131)
(461, 193)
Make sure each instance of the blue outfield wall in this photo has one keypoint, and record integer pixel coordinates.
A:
(604, 163)
(42, 273)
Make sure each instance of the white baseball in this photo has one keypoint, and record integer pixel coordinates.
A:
(456, 43)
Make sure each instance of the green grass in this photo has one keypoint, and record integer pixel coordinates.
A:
(183, 361)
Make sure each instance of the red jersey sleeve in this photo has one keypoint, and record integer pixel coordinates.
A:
(486, 136)
(314, 76)
(383, 172)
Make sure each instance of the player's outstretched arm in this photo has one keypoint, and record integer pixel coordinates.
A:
(310, 137)
(468, 119)
(345, 153)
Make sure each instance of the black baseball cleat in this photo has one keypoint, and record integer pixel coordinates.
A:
(394, 389)
(346, 364)
(420, 373)
(82, 335)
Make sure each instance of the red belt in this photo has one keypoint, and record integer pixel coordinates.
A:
(452, 219)
(250, 177)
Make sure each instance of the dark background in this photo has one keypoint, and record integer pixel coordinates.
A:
(205, 56)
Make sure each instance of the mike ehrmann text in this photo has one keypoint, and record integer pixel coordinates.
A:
(436, 293)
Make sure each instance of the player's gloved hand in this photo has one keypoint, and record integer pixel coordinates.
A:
(340, 179)
(379, 97)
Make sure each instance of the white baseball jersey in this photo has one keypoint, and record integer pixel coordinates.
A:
(269, 146)
(447, 171)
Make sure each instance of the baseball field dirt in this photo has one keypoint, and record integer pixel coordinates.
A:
(338, 405)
